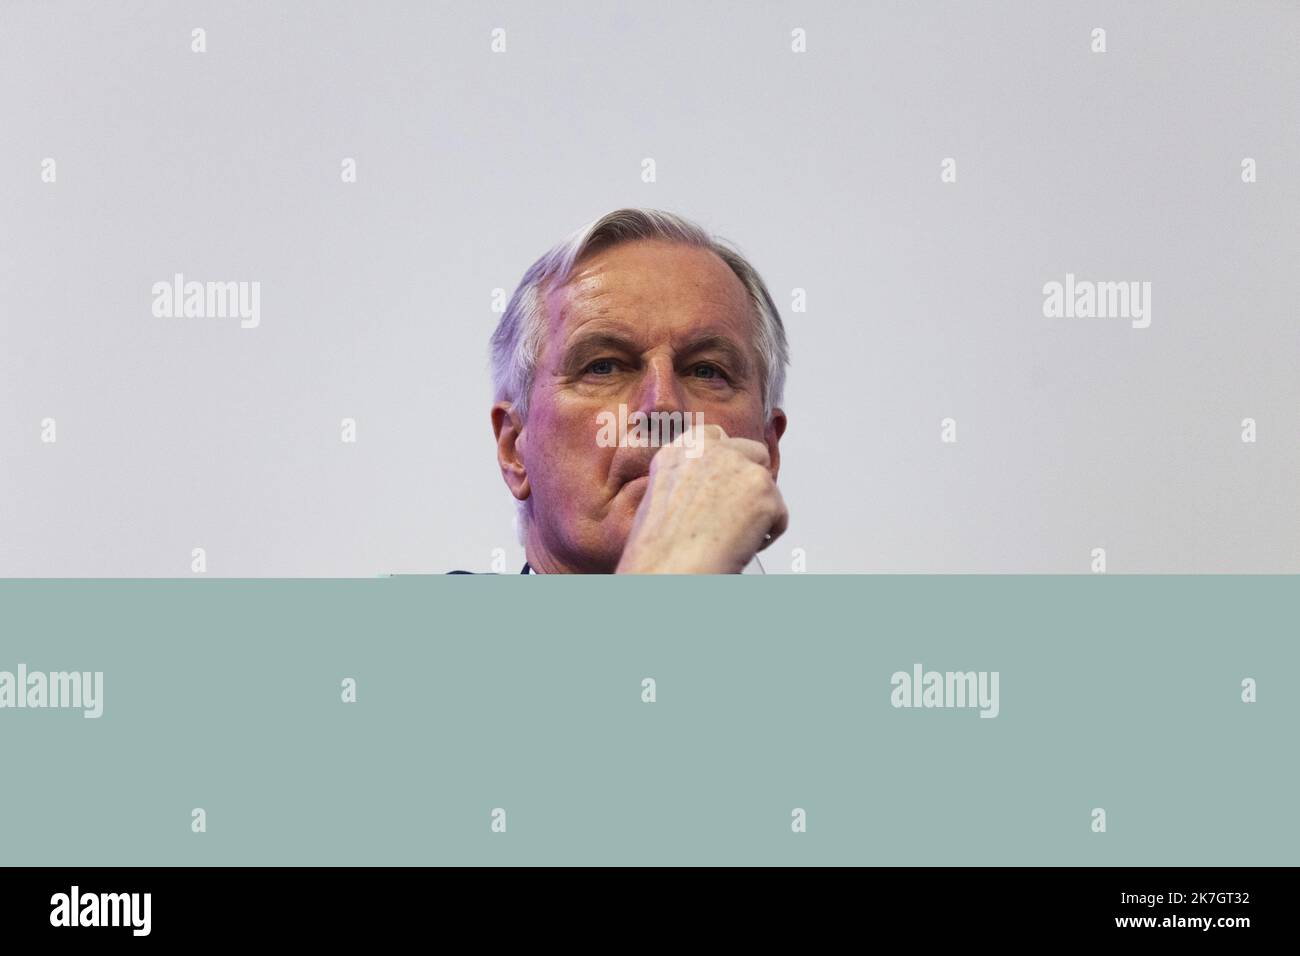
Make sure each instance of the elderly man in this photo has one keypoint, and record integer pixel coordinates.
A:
(641, 314)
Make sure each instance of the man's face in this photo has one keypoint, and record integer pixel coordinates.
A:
(654, 326)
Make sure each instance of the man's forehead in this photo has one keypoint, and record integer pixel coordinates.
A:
(649, 292)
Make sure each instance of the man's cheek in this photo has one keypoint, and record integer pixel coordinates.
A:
(738, 426)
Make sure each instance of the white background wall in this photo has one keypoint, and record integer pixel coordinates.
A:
(924, 298)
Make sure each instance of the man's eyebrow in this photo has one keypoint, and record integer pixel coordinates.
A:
(733, 354)
(596, 342)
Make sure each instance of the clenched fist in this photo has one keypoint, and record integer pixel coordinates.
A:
(707, 509)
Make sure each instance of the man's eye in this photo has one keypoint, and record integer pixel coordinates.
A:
(706, 371)
(601, 367)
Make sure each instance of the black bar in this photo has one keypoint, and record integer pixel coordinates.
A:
(211, 905)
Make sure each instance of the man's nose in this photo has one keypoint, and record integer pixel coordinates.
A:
(660, 390)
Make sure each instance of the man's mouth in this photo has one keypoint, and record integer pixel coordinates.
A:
(634, 469)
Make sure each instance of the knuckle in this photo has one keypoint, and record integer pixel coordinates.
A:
(759, 479)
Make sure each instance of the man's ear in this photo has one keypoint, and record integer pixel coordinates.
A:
(509, 431)
(772, 435)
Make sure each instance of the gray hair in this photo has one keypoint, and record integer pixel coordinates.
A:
(517, 341)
